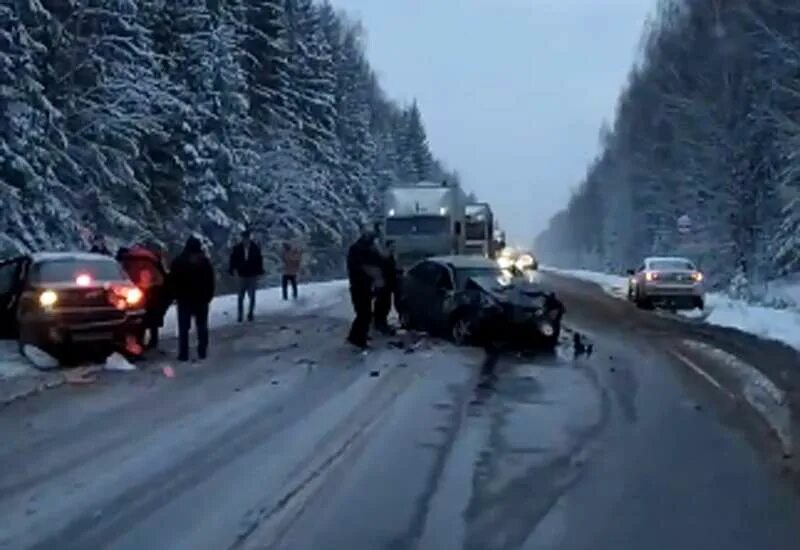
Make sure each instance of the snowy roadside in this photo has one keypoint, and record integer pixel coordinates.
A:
(13, 366)
(782, 325)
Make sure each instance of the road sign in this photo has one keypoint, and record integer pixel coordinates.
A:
(684, 224)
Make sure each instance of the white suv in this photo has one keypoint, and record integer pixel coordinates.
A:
(672, 281)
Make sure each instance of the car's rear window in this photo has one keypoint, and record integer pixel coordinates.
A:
(666, 265)
(63, 271)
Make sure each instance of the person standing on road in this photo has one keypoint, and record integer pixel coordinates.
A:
(246, 263)
(191, 280)
(385, 295)
(292, 257)
(99, 246)
(362, 271)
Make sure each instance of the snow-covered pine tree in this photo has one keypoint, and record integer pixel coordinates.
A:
(313, 80)
(414, 146)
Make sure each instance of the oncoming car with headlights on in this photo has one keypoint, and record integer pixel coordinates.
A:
(474, 301)
(70, 301)
(516, 262)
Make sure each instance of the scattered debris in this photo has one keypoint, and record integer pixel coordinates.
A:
(402, 365)
(82, 375)
(613, 369)
(698, 407)
(274, 382)
(237, 389)
(168, 371)
(581, 345)
(116, 362)
(374, 373)
(397, 344)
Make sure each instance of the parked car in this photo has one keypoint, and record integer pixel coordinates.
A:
(59, 301)
(672, 281)
(474, 301)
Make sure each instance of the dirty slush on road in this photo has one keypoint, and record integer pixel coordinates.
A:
(284, 438)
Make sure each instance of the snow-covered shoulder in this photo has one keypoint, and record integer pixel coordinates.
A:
(224, 309)
(782, 325)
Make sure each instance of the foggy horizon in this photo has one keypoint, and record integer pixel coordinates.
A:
(518, 113)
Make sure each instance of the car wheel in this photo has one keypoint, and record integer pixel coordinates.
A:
(461, 330)
(550, 342)
(699, 304)
(405, 319)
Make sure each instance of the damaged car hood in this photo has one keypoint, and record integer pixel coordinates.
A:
(516, 292)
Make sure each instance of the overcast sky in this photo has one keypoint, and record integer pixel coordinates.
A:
(513, 92)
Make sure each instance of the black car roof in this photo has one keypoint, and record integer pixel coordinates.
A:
(465, 262)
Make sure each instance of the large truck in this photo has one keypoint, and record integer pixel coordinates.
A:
(479, 230)
(425, 219)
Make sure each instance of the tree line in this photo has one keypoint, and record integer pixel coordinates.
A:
(152, 120)
(707, 127)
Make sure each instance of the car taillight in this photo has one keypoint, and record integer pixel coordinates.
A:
(697, 276)
(651, 275)
(48, 298)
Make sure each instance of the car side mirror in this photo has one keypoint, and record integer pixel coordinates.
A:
(631, 272)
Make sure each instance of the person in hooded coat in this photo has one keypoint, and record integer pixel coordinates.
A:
(191, 283)
(146, 270)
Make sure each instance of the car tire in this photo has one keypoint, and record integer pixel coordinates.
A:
(461, 330)
(699, 303)
(550, 342)
(404, 318)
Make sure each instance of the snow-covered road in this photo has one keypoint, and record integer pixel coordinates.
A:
(286, 438)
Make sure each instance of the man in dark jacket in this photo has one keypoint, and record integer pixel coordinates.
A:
(99, 246)
(191, 280)
(384, 296)
(247, 263)
(363, 272)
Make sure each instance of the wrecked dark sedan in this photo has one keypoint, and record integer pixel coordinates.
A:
(473, 301)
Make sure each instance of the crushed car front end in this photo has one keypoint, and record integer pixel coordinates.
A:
(517, 313)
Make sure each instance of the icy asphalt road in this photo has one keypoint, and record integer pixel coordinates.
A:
(285, 439)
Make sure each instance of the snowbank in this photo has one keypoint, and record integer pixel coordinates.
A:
(782, 325)
(223, 312)
(269, 301)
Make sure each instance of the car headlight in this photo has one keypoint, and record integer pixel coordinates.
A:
(546, 328)
(504, 262)
(48, 298)
(525, 261)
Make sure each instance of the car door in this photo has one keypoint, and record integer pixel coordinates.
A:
(11, 282)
